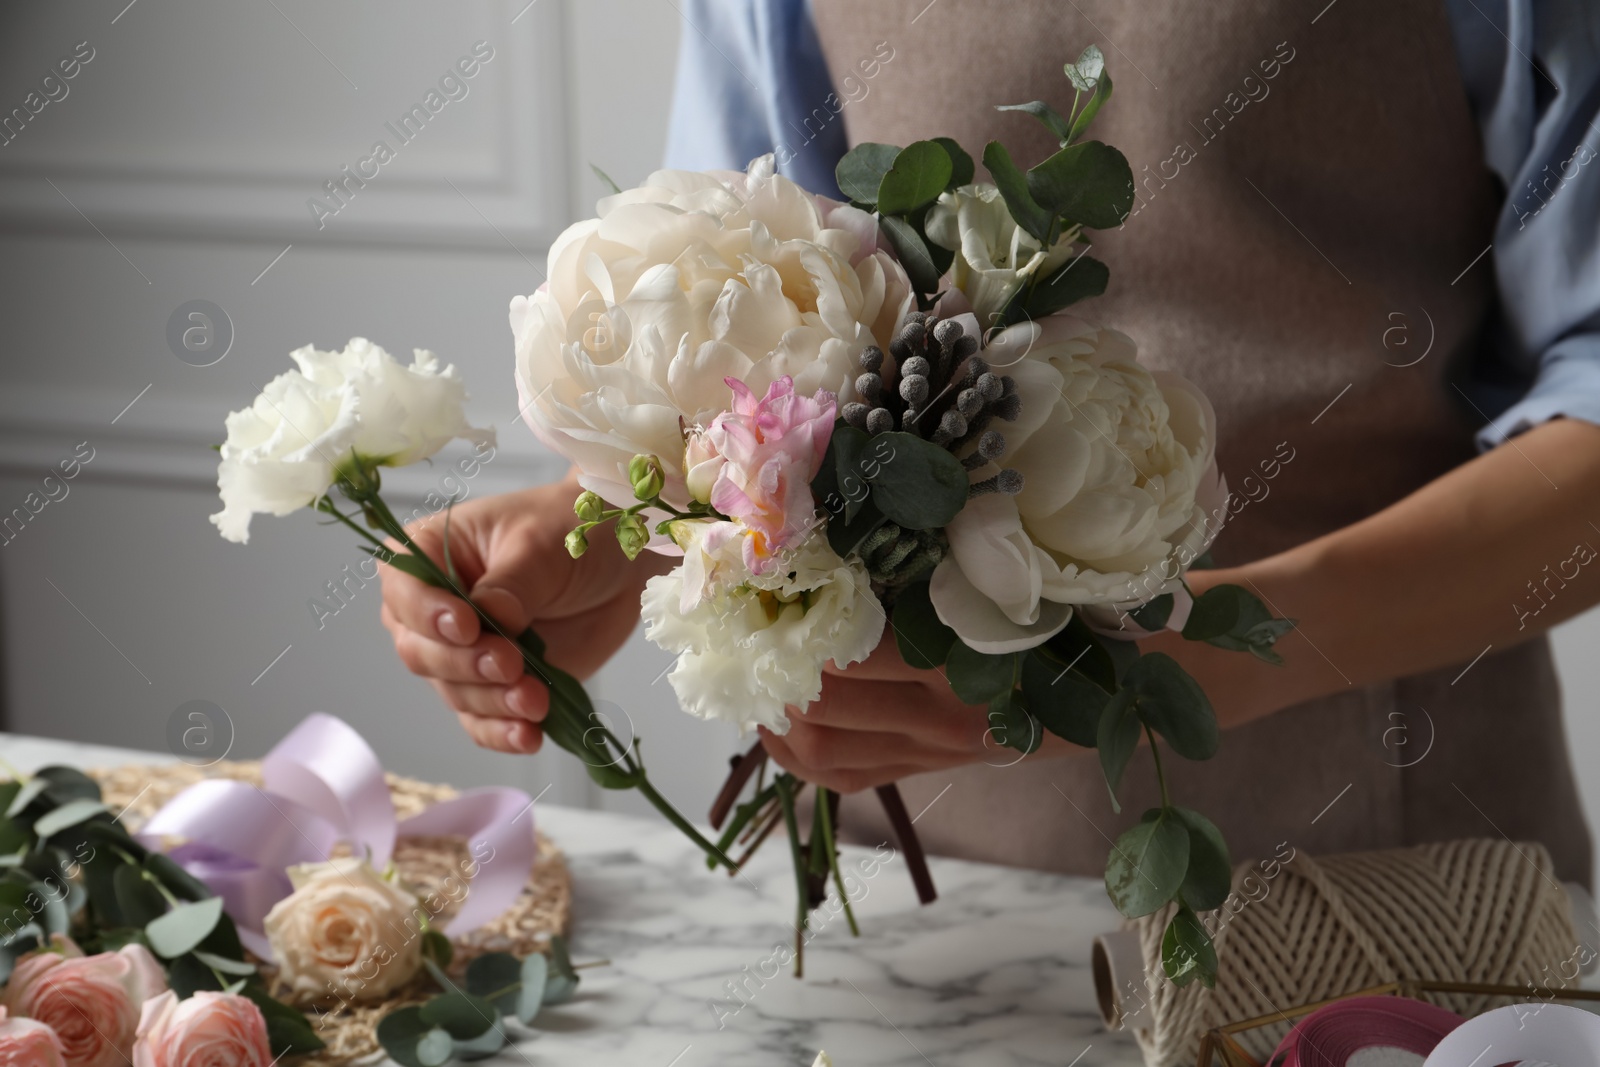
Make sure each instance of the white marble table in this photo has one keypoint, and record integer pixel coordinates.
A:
(995, 973)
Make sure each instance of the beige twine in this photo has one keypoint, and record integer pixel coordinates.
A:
(425, 863)
(1461, 911)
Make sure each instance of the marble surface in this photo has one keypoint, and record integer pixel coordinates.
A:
(993, 974)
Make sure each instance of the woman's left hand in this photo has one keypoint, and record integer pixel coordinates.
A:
(880, 720)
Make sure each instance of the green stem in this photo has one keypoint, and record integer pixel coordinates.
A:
(785, 785)
(833, 858)
(1166, 801)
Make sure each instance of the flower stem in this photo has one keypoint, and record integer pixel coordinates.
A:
(785, 784)
(1166, 801)
(824, 805)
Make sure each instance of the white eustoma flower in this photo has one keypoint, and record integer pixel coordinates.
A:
(751, 645)
(337, 408)
(1120, 489)
(994, 256)
(679, 284)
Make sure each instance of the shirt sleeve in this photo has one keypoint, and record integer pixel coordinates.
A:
(1532, 73)
(752, 80)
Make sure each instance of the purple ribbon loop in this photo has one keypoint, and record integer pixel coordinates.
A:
(324, 785)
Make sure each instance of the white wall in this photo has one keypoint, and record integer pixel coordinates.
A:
(192, 141)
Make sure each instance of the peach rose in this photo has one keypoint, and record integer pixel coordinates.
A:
(207, 1030)
(28, 1043)
(91, 1002)
(345, 931)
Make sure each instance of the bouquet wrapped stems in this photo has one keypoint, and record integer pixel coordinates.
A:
(571, 723)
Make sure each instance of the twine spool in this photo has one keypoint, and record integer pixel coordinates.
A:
(1305, 930)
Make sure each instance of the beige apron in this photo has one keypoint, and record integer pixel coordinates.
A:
(1310, 187)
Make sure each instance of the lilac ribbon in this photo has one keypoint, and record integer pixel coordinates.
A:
(323, 785)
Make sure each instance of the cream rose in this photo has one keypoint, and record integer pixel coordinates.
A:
(345, 932)
(994, 256)
(683, 282)
(286, 449)
(28, 1043)
(207, 1030)
(90, 1002)
(751, 644)
(1119, 480)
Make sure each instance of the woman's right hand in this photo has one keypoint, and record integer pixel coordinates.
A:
(510, 555)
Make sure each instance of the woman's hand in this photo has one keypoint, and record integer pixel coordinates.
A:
(509, 553)
(879, 721)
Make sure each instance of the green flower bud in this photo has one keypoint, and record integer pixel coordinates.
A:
(588, 506)
(647, 477)
(577, 543)
(632, 535)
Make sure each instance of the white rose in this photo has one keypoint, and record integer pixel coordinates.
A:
(679, 284)
(750, 645)
(345, 932)
(994, 256)
(1120, 484)
(286, 449)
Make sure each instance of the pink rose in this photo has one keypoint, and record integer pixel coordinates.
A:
(772, 448)
(28, 1043)
(207, 1030)
(91, 1002)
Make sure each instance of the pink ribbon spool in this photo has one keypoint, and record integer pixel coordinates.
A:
(1331, 1036)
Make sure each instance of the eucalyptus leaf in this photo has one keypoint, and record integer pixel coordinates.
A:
(861, 171)
(1219, 610)
(1209, 878)
(31, 790)
(1086, 72)
(487, 1044)
(1044, 113)
(1013, 186)
(225, 965)
(1089, 183)
(68, 784)
(1186, 952)
(1172, 704)
(1147, 865)
(462, 1014)
(913, 252)
(1063, 700)
(437, 947)
(490, 975)
(179, 882)
(288, 1031)
(1011, 725)
(920, 486)
(919, 174)
(923, 640)
(1102, 93)
(563, 977)
(138, 901)
(411, 1042)
(1117, 736)
(1078, 279)
(535, 978)
(1153, 614)
(66, 816)
(50, 908)
(183, 928)
(961, 165)
(188, 976)
(978, 677)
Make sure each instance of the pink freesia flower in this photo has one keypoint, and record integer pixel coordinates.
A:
(91, 1002)
(28, 1041)
(207, 1030)
(772, 448)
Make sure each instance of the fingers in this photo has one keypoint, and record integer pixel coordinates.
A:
(510, 736)
(491, 659)
(527, 699)
(937, 719)
(840, 781)
(423, 609)
(886, 664)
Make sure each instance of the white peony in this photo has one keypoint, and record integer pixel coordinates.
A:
(287, 448)
(751, 645)
(685, 281)
(345, 932)
(994, 256)
(1120, 487)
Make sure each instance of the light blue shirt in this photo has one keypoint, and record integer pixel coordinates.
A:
(750, 74)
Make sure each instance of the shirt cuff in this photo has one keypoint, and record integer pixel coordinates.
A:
(1567, 385)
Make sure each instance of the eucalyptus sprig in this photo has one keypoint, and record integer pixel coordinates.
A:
(469, 1019)
(68, 867)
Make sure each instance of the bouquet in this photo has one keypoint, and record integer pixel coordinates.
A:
(842, 415)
